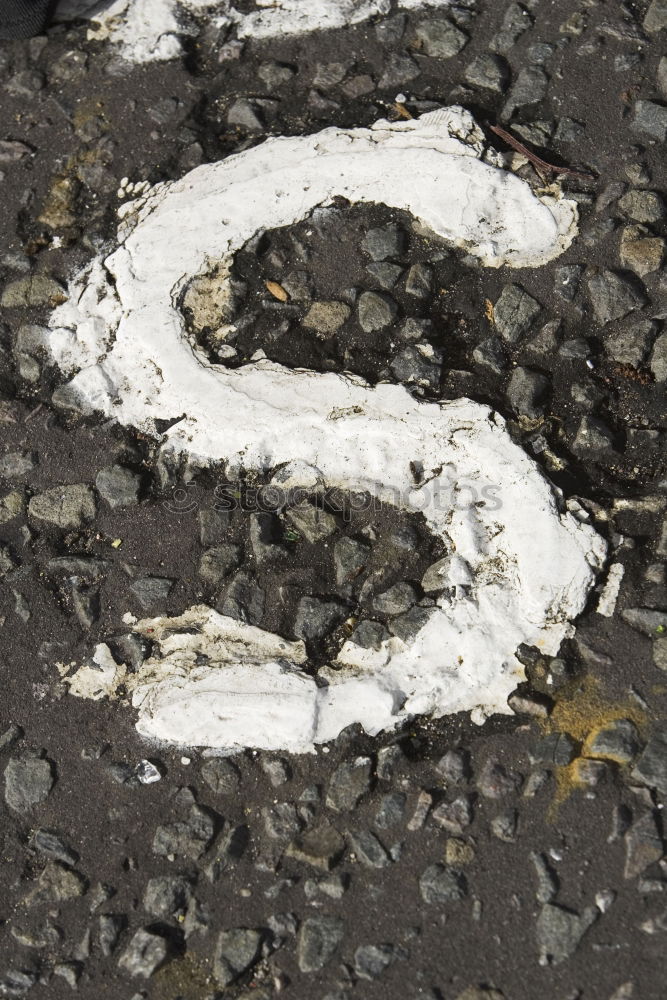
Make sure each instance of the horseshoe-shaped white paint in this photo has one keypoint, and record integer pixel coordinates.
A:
(528, 565)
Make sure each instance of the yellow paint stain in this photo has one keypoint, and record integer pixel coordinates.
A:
(187, 976)
(581, 710)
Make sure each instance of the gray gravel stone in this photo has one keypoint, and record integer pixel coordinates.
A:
(454, 817)
(229, 849)
(57, 884)
(530, 87)
(656, 16)
(326, 318)
(236, 952)
(118, 486)
(316, 617)
(167, 895)
(504, 826)
(617, 741)
(391, 810)
(221, 776)
(441, 884)
(647, 621)
(244, 599)
(440, 39)
(396, 600)
(658, 360)
(312, 523)
(488, 71)
(592, 435)
(514, 23)
(559, 932)
(318, 941)
(320, 847)
(631, 344)
(110, 929)
(642, 206)
(556, 748)
(349, 783)
(213, 526)
(413, 367)
(643, 845)
(371, 960)
(385, 274)
(651, 768)
(152, 592)
(407, 626)
(650, 119)
(350, 558)
(218, 562)
(246, 114)
(35, 290)
(189, 837)
(419, 281)
(144, 955)
(384, 242)
(53, 846)
(17, 464)
(515, 312)
(566, 280)
(640, 252)
(369, 850)
(453, 766)
(369, 634)
(28, 782)
(547, 883)
(490, 354)
(375, 311)
(526, 391)
(496, 782)
(281, 820)
(66, 507)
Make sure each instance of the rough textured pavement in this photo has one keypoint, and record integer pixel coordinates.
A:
(516, 860)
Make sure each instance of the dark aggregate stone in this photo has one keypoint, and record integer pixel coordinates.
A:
(515, 312)
(315, 617)
(651, 768)
(28, 782)
(440, 39)
(236, 952)
(118, 486)
(613, 296)
(559, 932)
(643, 845)
(369, 850)
(189, 837)
(318, 941)
(439, 884)
(349, 783)
(144, 955)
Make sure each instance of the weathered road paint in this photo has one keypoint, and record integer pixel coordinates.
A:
(518, 574)
(151, 30)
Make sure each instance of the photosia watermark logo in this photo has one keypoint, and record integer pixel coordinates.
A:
(185, 498)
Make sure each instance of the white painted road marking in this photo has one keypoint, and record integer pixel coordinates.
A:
(531, 565)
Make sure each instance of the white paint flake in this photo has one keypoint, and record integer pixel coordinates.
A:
(610, 591)
(152, 30)
(522, 568)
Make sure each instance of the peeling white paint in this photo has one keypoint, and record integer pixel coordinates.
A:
(152, 30)
(527, 567)
(610, 591)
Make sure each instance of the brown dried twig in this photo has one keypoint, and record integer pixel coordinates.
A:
(536, 160)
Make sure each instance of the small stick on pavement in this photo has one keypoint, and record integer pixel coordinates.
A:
(536, 160)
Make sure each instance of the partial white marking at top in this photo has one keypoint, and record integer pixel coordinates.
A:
(152, 30)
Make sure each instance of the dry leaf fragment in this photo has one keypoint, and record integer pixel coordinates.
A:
(277, 291)
(488, 310)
